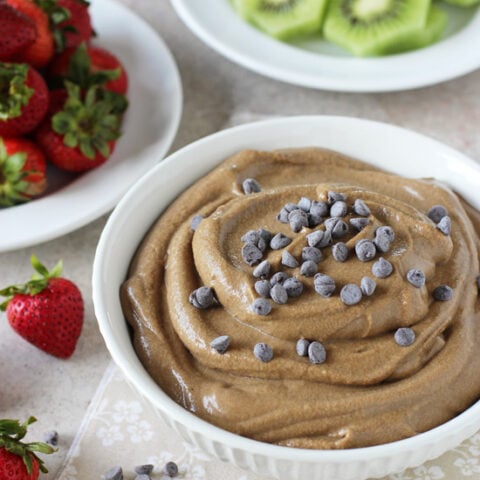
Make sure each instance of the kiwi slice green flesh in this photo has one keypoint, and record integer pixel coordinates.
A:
(283, 18)
(430, 33)
(372, 27)
(463, 3)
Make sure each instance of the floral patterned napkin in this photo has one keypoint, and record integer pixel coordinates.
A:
(121, 428)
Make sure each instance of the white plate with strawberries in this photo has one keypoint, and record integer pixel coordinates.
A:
(311, 61)
(75, 196)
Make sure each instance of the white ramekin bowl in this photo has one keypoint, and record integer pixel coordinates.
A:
(389, 147)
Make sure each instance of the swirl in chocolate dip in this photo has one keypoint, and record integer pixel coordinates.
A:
(393, 355)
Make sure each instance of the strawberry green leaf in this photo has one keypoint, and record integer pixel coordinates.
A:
(14, 93)
(56, 16)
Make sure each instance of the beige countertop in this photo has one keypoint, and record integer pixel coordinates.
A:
(58, 392)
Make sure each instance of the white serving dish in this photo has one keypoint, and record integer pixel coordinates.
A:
(392, 148)
(315, 63)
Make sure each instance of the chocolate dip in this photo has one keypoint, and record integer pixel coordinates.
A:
(370, 390)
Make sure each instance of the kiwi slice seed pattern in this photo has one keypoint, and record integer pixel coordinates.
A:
(390, 9)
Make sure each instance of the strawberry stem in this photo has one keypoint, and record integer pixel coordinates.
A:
(14, 93)
(37, 284)
(11, 434)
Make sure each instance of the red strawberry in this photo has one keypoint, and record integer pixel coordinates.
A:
(79, 26)
(23, 99)
(90, 65)
(18, 460)
(47, 311)
(40, 53)
(82, 135)
(18, 31)
(22, 171)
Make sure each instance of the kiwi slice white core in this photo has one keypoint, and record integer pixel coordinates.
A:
(367, 10)
(277, 5)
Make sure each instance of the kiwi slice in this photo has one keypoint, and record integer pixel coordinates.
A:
(283, 19)
(373, 27)
(463, 3)
(430, 33)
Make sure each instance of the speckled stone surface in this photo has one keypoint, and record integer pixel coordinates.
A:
(58, 392)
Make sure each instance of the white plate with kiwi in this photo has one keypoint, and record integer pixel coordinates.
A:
(372, 45)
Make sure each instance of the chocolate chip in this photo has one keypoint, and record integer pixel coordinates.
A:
(262, 287)
(302, 347)
(262, 269)
(385, 230)
(326, 239)
(202, 298)
(314, 220)
(367, 286)
(365, 250)
(293, 287)
(350, 294)
(252, 236)
(359, 223)
(443, 293)
(220, 344)
(144, 469)
(338, 209)
(279, 241)
(263, 352)
(416, 277)
(170, 469)
(314, 238)
(404, 336)
(250, 185)
(279, 294)
(195, 222)
(305, 204)
(382, 268)
(360, 208)
(51, 437)
(265, 235)
(290, 206)
(445, 225)
(289, 260)
(297, 220)
(278, 277)
(115, 473)
(308, 268)
(251, 254)
(283, 215)
(262, 244)
(335, 197)
(436, 213)
(261, 306)
(319, 208)
(340, 252)
(324, 285)
(316, 353)
(337, 227)
(478, 284)
(311, 253)
(382, 241)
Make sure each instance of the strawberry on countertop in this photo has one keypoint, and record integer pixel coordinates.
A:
(47, 311)
(17, 31)
(22, 171)
(23, 99)
(83, 133)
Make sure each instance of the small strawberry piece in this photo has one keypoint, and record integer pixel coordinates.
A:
(78, 28)
(47, 311)
(22, 171)
(41, 51)
(82, 135)
(17, 31)
(23, 99)
(90, 65)
(18, 460)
